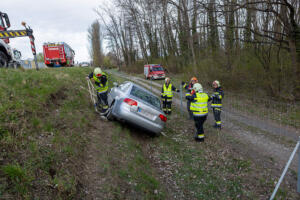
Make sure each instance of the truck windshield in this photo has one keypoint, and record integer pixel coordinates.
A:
(1, 22)
(157, 69)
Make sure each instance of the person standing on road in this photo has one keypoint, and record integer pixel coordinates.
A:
(189, 88)
(101, 83)
(167, 95)
(199, 108)
(216, 104)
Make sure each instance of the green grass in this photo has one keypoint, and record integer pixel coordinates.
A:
(18, 177)
(135, 169)
(43, 117)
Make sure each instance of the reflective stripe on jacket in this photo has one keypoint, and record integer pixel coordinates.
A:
(167, 91)
(199, 104)
(217, 98)
(101, 88)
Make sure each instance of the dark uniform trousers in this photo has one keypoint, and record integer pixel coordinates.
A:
(199, 121)
(102, 100)
(217, 116)
(167, 105)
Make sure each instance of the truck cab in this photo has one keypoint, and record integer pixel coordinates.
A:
(154, 71)
(5, 50)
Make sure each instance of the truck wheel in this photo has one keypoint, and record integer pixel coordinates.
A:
(3, 59)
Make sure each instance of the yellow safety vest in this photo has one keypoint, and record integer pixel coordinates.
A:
(100, 88)
(167, 91)
(199, 108)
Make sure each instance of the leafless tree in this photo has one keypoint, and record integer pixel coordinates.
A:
(95, 38)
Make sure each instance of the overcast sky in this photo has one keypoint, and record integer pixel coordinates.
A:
(52, 21)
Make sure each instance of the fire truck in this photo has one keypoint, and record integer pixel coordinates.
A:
(8, 57)
(58, 54)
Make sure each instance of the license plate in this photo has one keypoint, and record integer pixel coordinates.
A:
(146, 114)
(134, 109)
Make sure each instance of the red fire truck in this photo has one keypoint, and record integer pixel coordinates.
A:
(58, 54)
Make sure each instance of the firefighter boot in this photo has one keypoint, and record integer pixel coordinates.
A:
(218, 125)
(199, 137)
(104, 110)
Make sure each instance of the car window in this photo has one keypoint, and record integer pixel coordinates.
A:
(149, 98)
(124, 87)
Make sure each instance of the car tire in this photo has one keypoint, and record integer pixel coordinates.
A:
(3, 59)
(157, 134)
(109, 115)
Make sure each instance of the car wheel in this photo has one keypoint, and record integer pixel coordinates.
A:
(109, 115)
(3, 60)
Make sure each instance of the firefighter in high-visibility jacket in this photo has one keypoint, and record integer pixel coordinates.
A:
(199, 101)
(216, 104)
(101, 85)
(167, 95)
(189, 87)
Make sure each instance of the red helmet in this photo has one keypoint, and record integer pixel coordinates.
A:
(194, 79)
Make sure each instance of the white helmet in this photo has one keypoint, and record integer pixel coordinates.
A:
(198, 87)
(167, 80)
(217, 83)
(97, 71)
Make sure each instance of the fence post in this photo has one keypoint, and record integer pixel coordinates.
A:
(285, 170)
(151, 83)
(181, 110)
(298, 181)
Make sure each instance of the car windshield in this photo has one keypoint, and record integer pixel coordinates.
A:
(157, 69)
(145, 96)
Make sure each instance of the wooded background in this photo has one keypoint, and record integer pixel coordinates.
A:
(250, 45)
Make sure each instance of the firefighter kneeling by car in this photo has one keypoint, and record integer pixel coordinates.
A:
(167, 95)
(101, 85)
(199, 108)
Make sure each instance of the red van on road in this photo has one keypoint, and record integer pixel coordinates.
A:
(154, 71)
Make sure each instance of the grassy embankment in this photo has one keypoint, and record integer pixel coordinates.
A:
(44, 116)
(45, 128)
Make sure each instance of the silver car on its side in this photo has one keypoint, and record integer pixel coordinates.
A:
(132, 103)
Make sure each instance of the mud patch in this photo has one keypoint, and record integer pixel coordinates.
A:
(57, 97)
